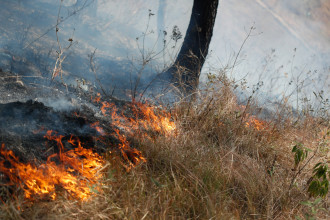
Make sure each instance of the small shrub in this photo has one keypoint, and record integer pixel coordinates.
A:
(319, 186)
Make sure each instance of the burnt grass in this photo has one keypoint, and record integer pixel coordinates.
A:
(213, 166)
(25, 123)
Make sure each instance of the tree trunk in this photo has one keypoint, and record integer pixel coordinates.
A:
(186, 69)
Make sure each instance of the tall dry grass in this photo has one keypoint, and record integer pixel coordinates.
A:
(214, 166)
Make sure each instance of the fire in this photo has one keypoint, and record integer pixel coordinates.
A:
(131, 155)
(77, 170)
(255, 123)
(98, 128)
(74, 170)
(145, 118)
(251, 120)
(160, 122)
(96, 99)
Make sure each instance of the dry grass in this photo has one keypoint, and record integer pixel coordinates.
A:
(212, 167)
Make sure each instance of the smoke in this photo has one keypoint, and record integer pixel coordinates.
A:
(123, 32)
(288, 50)
(60, 104)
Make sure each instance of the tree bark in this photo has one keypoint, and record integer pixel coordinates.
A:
(186, 69)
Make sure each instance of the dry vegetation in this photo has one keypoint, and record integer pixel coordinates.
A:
(220, 163)
(214, 166)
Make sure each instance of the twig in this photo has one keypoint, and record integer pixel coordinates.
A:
(85, 5)
(4, 77)
(60, 58)
(240, 49)
(92, 65)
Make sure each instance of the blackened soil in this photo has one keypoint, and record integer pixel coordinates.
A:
(24, 125)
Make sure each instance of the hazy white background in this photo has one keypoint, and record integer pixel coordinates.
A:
(290, 43)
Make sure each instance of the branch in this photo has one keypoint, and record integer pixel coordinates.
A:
(85, 5)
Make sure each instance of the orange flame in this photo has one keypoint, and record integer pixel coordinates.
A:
(144, 118)
(255, 123)
(96, 99)
(77, 171)
(98, 128)
(131, 155)
(160, 122)
(252, 121)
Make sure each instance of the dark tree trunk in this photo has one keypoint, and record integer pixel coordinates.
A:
(186, 69)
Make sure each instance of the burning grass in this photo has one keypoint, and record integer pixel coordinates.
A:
(77, 171)
(216, 160)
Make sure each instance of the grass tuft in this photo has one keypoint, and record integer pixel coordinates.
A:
(214, 166)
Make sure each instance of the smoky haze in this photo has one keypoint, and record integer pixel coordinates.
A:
(290, 43)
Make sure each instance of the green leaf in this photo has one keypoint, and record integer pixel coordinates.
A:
(294, 149)
(318, 164)
(307, 203)
(156, 182)
(317, 201)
